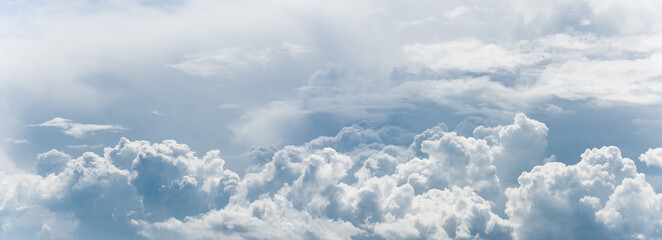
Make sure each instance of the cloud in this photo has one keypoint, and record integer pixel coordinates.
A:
(461, 215)
(457, 12)
(585, 200)
(16, 141)
(132, 180)
(606, 82)
(224, 62)
(84, 146)
(228, 106)
(78, 130)
(52, 161)
(633, 210)
(293, 49)
(652, 157)
(373, 179)
(413, 23)
(361, 183)
(466, 55)
(264, 125)
(157, 113)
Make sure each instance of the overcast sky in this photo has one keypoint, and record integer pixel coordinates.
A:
(141, 119)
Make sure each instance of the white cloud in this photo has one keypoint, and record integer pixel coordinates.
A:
(466, 55)
(265, 218)
(460, 215)
(492, 59)
(353, 185)
(567, 201)
(132, 179)
(652, 157)
(606, 82)
(78, 130)
(633, 210)
(52, 161)
(157, 113)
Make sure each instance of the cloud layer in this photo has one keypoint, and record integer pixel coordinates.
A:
(492, 185)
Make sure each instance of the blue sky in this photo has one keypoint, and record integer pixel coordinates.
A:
(304, 120)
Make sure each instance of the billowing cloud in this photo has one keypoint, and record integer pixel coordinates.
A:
(78, 130)
(594, 198)
(264, 80)
(361, 184)
(652, 157)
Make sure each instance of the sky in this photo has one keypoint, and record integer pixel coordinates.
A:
(288, 119)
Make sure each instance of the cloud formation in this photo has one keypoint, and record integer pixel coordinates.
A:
(273, 76)
(492, 185)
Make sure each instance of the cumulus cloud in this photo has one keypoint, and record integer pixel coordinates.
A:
(78, 130)
(593, 198)
(477, 182)
(131, 180)
(361, 183)
(652, 157)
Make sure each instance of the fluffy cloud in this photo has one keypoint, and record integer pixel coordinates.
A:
(593, 198)
(361, 183)
(380, 63)
(460, 215)
(95, 195)
(652, 157)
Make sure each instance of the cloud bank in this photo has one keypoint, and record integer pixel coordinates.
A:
(495, 184)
